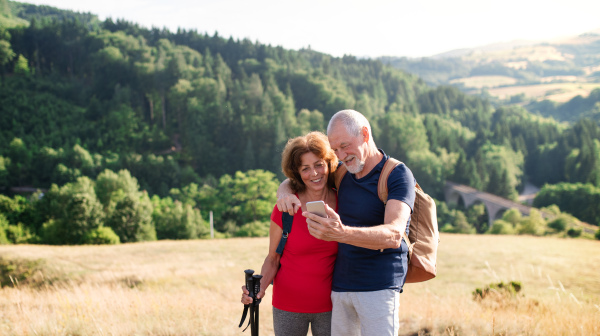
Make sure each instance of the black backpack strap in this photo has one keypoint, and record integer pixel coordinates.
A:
(286, 220)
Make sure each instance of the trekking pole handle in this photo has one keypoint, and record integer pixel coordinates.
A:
(256, 278)
(250, 282)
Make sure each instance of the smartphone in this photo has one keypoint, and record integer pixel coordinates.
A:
(317, 207)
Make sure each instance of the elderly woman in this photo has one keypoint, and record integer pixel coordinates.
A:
(302, 274)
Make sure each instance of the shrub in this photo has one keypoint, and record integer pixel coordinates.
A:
(3, 228)
(101, 236)
(598, 234)
(533, 225)
(461, 224)
(501, 227)
(175, 220)
(111, 186)
(19, 234)
(131, 219)
(72, 211)
(447, 228)
(477, 218)
(578, 199)
(15, 272)
(512, 216)
(553, 209)
(498, 289)
(559, 224)
(253, 229)
(574, 233)
(18, 210)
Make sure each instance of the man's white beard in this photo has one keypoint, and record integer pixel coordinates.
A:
(356, 167)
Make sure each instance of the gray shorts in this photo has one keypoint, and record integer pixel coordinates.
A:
(296, 324)
(365, 313)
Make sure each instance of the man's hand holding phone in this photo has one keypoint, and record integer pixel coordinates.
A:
(328, 227)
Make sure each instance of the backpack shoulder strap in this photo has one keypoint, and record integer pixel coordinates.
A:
(382, 191)
(339, 174)
(286, 220)
(382, 188)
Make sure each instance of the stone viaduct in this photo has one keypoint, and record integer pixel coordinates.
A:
(495, 205)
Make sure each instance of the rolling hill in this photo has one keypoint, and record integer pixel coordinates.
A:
(554, 70)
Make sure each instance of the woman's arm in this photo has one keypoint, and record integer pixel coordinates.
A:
(270, 266)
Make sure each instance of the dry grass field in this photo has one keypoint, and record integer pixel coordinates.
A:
(558, 92)
(484, 81)
(533, 53)
(193, 288)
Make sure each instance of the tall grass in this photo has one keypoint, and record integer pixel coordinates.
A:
(193, 288)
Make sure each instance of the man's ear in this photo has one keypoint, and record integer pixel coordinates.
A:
(365, 134)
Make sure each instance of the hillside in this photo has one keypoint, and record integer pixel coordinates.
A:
(555, 70)
(21, 14)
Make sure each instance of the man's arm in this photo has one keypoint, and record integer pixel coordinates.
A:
(286, 200)
(387, 235)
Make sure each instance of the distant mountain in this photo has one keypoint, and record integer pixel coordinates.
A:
(515, 71)
(14, 14)
(487, 48)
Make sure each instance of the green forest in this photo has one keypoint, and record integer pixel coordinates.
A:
(128, 133)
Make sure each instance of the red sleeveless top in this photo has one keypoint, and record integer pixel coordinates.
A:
(303, 282)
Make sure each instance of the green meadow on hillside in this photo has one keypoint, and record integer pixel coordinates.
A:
(558, 92)
(193, 287)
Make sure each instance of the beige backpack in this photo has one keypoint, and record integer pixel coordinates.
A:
(423, 233)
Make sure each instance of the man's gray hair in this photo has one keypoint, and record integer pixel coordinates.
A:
(352, 120)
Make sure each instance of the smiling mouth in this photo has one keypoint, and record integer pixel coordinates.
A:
(317, 180)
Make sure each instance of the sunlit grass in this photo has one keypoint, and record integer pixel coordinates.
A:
(484, 81)
(193, 288)
(559, 92)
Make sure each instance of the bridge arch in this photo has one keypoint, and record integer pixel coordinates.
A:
(495, 205)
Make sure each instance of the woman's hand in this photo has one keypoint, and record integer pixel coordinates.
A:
(246, 299)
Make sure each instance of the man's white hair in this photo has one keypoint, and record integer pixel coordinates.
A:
(352, 120)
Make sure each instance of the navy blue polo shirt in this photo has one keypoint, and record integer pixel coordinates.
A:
(359, 269)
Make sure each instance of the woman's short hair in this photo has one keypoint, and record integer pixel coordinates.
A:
(291, 159)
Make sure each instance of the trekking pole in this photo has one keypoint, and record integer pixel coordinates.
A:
(256, 278)
(253, 286)
(250, 287)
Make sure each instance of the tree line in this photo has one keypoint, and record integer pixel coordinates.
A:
(112, 209)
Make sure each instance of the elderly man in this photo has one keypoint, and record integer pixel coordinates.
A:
(371, 265)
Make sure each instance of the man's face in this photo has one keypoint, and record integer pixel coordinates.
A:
(351, 150)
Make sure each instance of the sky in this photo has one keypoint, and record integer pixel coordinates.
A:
(367, 28)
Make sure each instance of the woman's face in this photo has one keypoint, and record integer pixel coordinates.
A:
(313, 171)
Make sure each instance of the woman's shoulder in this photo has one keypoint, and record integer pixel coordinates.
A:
(276, 216)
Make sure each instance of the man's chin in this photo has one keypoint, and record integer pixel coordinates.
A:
(354, 169)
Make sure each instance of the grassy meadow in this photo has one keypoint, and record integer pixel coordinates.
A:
(558, 92)
(193, 288)
(484, 81)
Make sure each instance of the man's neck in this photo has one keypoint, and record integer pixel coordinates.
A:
(374, 156)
